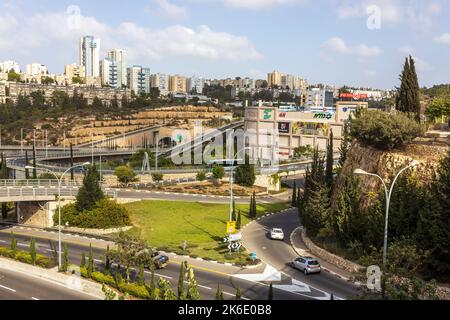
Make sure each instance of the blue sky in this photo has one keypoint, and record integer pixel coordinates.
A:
(354, 42)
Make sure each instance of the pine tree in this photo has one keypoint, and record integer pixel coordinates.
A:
(270, 296)
(219, 293)
(90, 192)
(238, 293)
(330, 160)
(294, 195)
(83, 260)
(90, 267)
(65, 261)
(181, 293)
(33, 251)
(239, 221)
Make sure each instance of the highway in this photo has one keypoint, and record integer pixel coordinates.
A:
(19, 286)
(208, 274)
(280, 254)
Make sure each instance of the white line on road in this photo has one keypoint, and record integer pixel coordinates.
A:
(159, 275)
(33, 298)
(7, 288)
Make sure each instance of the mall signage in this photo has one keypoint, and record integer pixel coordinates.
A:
(322, 115)
(284, 127)
(353, 96)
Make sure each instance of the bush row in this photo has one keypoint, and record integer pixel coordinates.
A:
(25, 257)
(133, 289)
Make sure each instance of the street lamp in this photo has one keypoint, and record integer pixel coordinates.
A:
(59, 179)
(388, 200)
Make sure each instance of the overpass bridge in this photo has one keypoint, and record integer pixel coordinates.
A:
(39, 190)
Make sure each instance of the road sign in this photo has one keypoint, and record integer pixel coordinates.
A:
(231, 227)
(233, 238)
(235, 246)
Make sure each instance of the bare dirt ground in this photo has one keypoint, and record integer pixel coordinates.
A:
(211, 188)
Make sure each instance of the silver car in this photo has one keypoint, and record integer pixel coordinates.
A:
(277, 234)
(307, 264)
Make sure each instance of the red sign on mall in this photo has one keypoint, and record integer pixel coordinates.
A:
(353, 96)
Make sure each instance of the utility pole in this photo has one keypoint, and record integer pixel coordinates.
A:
(46, 143)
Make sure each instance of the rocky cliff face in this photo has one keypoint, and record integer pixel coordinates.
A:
(387, 163)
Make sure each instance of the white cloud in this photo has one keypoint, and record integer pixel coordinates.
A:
(45, 31)
(443, 38)
(171, 10)
(338, 45)
(259, 4)
(406, 50)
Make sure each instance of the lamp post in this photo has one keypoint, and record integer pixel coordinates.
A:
(59, 179)
(388, 195)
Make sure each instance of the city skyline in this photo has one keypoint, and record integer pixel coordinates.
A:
(177, 37)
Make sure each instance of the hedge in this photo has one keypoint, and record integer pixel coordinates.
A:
(106, 214)
(25, 257)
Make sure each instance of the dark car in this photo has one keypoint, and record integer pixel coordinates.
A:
(160, 260)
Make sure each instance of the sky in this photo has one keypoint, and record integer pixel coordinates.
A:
(347, 42)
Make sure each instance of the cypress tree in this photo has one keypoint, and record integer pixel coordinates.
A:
(65, 262)
(83, 260)
(233, 214)
(255, 211)
(90, 268)
(250, 209)
(33, 251)
(330, 160)
(238, 293)
(239, 221)
(408, 99)
(71, 163)
(4, 175)
(270, 296)
(141, 276)
(27, 172)
(13, 246)
(294, 195)
(107, 260)
(34, 161)
(181, 283)
(345, 145)
(219, 293)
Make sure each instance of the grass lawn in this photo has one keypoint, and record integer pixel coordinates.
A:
(167, 224)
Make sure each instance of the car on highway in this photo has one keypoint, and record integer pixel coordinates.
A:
(160, 260)
(307, 264)
(276, 234)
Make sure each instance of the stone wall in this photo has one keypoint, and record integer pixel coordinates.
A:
(328, 256)
(34, 214)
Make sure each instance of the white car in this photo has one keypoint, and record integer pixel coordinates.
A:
(277, 234)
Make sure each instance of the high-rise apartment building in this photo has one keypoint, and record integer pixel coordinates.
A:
(178, 84)
(138, 79)
(319, 100)
(9, 65)
(119, 57)
(109, 73)
(36, 69)
(160, 81)
(90, 55)
(274, 79)
(195, 85)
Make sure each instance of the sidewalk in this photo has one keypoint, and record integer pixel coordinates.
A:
(71, 282)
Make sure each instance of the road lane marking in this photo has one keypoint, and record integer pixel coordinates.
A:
(204, 269)
(6, 288)
(159, 275)
(33, 298)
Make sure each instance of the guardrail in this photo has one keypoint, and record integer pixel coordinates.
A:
(37, 183)
(32, 193)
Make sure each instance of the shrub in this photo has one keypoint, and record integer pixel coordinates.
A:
(106, 214)
(383, 130)
(103, 278)
(125, 175)
(201, 176)
(134, 290)
(218, 172)
(157, 176)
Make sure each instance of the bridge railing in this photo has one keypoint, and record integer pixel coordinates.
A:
(36, 183)
(9, 194)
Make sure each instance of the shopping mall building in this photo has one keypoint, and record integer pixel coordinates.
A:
(276, 132)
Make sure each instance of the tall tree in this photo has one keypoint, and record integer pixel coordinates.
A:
(34, 161)
(345, 145)
(330, 160)
(27, 172)
(90, 192)
(181, 294)
(71, 163)
(239, 221)
(408, 99)
(90, 267)
(294, 194)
